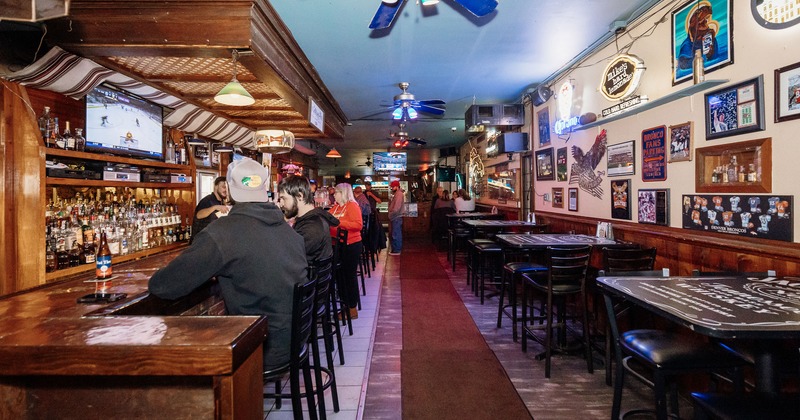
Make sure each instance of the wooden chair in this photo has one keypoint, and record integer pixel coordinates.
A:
(565, 276)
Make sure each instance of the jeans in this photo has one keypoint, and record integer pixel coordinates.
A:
(397, 234)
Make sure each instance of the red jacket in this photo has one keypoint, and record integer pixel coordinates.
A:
(349, 217)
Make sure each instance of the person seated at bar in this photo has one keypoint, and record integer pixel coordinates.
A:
(349, 214)
(211, 207)
(464, 203)
(444, 201)
(312, 223)
(255, 255)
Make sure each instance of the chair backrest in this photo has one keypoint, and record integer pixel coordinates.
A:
(321, 272)
(567, 265)
(618, 260)
(302, 319)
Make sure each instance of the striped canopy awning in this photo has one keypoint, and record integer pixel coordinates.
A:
(74, 76)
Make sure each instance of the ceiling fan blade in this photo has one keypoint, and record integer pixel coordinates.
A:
(431, 109)
(385, 15)
(418, 141)
(478, 7)
(432, 102)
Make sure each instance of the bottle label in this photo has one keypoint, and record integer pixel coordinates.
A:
(89, 258)
(103, 265)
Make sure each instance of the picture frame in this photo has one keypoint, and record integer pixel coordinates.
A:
(653, 206)
(736, 109)
(621, 199)
(543, 119)
(572, 197)
(621, 158)
(558, 197)
(545, 168)
(681, 147)
(654, 154)
(705, 25)
(787, 93)
(561, 164)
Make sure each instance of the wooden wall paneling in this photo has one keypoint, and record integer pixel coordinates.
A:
(23, 195)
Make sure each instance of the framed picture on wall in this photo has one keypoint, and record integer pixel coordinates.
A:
(621, 158)
(787, 93)
(735, 109)
(558, 198)
(707, 26)
(654, 206)
(572, 196)
(680, 142)
(620, 199)
(545, 169)
(561, 164)
(543, 119)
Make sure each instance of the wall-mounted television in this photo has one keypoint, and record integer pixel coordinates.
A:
(122, 123)
(389, 161)
(445, 174)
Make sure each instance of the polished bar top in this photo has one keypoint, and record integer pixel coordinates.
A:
(45, 331)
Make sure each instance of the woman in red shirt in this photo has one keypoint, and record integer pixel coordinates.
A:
(346, 209)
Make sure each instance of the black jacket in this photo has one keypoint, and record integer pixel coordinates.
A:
(257, 259)
(314, 227)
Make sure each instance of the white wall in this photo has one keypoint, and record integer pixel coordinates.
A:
(756, 51)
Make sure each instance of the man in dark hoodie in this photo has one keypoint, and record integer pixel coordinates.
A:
(297, 201)
(255, 255)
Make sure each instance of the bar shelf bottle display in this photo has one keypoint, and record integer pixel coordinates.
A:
(744, 167)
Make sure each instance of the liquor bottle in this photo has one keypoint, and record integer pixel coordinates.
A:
(55, 137)
(45, 126)
(80, 141)
(50, 258)
(182, 154)
(103, 259)
(75, 254)
(751, 173)
(170, 151)
(69, 141)
(89, 252)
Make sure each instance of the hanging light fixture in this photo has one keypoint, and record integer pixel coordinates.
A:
(234, 93)
(333, 154)
(274, 141)
(193, 140)
(291, 169)
(224, 148)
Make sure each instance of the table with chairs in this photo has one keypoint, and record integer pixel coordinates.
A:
(764, 310)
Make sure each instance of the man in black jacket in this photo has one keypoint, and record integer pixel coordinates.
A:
(255, 255)
(313, 224)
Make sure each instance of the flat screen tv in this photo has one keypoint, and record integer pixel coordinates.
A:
(445, 174)
(389, 161)
(122, 123)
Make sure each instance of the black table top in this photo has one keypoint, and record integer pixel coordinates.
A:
(481, 223)
(473, 215)
(723, 307)
(543, 240)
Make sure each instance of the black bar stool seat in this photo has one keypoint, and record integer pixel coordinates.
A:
(487, 256)
(511, 276)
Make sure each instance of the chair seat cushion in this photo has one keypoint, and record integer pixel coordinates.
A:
(524, 267)
(669, 350)
(476, 241)
(752, 406)
(538, 280)
(488, 247)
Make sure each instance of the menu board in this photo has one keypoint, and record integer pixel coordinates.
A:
(654, 154)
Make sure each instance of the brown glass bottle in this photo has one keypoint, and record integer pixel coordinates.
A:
(103, 259)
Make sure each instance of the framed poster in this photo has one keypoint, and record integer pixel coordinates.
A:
(620, 159)
(735, 109)
(561, 164)
(654, 206)
(705, 25)
(775, 14)
(544, 165)
(787, 93)
(680, 142)
(558, 198)
(543, 118)
(654, 154)
(759, 216)
(572, 196)
(620, 199)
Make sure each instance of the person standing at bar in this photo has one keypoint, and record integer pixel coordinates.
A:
(312, 223)
(255, 255)
(396, 218)
(210, 207)
(349, 214)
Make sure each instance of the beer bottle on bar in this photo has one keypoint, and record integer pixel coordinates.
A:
(103, 259)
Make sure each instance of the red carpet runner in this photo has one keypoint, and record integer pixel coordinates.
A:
(448, 370)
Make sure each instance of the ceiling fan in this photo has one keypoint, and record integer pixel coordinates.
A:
(400, 139)
(388, 10)
(407, 108)
(368, 163)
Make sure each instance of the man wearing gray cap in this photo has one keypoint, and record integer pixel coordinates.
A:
(255, 255)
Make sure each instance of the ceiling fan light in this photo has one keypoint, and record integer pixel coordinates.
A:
(333, 154)
(234, 94)
(397, 113)
(274, 141)
(429, 2)
(412, 113)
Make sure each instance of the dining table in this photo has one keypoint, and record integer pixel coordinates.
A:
(454, 218)
(760, 310)
(492, 226)
(543, 240)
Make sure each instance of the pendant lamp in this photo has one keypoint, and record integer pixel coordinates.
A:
(224, 148)
(234, 93)
(274, 141)
(193, 140)
(333, 153)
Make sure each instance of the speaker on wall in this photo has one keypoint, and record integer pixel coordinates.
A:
(541, 95)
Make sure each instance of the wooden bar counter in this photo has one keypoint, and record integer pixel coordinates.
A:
(61, 359)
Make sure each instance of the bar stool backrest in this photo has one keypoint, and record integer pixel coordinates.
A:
(628, 259)
(567, 265)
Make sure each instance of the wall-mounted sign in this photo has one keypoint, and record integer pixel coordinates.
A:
(565, 100)
(316, 116)
(631, 102)
(654, 154)
(621, 77)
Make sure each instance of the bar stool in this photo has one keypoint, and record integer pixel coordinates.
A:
(456, 236)
(512, 274)
(470, 259)
(324, 321)
(485, 254)
(338, 306)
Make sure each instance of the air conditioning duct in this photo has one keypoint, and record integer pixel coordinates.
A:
(478, 117)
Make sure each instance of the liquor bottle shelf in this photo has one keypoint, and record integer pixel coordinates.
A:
(114, 159)
(85, 268)
(103, 183)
